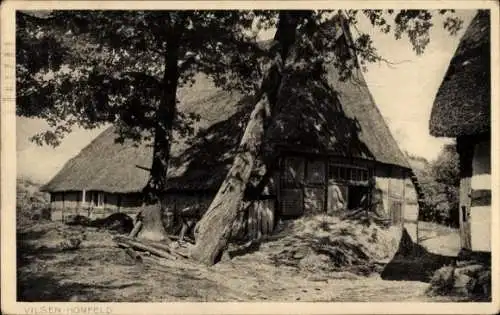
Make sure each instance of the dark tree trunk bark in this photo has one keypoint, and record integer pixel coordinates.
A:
(152, 224)
(214, 230)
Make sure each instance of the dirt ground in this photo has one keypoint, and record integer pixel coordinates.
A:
(439, 239)
(100, 271)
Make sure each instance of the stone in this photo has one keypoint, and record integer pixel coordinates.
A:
(470, 270)
(484, 282)
(464, 284)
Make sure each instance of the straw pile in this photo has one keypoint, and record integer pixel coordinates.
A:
(322, 243)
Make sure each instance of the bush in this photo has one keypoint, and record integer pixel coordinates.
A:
(31, 204)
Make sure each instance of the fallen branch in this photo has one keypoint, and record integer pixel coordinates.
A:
(168, 249)
(136, 229)
(143, 247)
(186, 239)
(122, 245)
(157, 245)
(132, 253)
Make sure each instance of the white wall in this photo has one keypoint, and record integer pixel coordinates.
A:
(480, 215)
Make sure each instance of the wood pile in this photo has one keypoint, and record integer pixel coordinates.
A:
(134, 247)
(139, 248)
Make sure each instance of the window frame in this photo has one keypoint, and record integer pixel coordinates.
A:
(348, 174)
(97, 199)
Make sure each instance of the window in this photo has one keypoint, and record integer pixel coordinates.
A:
(316, 172)
(347, 173)
(96, 199)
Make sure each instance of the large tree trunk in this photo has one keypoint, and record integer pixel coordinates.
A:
(153, 210)
(213, 231)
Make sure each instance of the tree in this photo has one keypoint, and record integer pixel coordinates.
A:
(440, 183)
(304, 42)
(125, 67)
(127, 79)
(445, 170)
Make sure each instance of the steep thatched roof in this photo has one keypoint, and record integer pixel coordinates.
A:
(462, 104)
(322, 115)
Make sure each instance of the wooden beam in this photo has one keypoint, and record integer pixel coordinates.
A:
(83, 197)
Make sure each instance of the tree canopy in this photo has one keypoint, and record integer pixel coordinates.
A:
(86, 68)
(440, 182)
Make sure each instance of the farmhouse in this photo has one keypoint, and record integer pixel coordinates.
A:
(334, 152)
(462, 110)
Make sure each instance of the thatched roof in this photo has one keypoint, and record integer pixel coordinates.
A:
(462, 104)
(104, 165)
(315, 115)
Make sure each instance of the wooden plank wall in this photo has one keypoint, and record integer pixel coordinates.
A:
(70, 203)
(261, 217)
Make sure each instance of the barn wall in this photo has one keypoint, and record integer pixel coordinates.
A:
(180, 207)
(256, 219)
(306, 186)
(70, 203)
(130, 203)
(56, 200)
(71, 200)
(480, 214)
(56, 206)
(390, 183)
(291, 186)
(111, 202)
(382, 179)
(411, 209)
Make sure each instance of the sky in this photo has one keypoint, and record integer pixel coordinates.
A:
(403, 91)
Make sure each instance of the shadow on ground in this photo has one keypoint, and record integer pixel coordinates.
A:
(414, 262)
(50, 288)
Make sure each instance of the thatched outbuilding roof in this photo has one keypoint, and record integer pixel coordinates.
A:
(462, 104)
(323, 115)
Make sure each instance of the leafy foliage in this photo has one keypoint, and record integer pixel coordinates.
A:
(88, 68)
(440, 183)
(97, 67)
